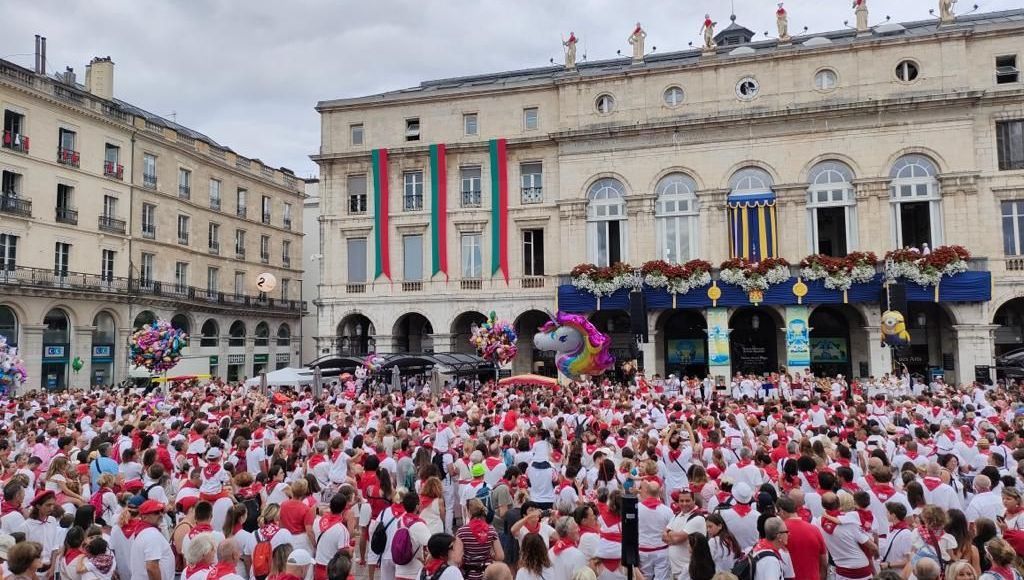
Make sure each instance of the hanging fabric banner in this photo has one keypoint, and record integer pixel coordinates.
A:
(798, 341)
(439, 208)
(499, 207)
(753, 231)
(718, 337)
(379, 159)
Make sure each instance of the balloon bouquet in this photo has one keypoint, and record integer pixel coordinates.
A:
(495, 340)
(157, 347)
(12, 368)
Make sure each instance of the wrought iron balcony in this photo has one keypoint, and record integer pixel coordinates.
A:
(533, 194)
(115, 170)
(149, 181)
(471, 198)
(287, 223)
(112, 225)
(184, 191)
(15, 142)
(214, 248)
(149, 231)
(16, 206)
(68, 157)
(66, 215)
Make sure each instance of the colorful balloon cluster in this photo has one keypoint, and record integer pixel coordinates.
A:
(157, 347)
(495, 340)
(372, 362)
(12, 368)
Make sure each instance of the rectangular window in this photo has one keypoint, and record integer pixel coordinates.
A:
(532, 180)
(472, 266)
(471, 194)
(241, 200)
(286, 219)
(184, 228)
(146, 270)
(61, 258)
(356, 194)
(66, 153)
(469, 123)
(239, 283)
(285, 288)
(413, 199)
(14, 129)
(65, 205)
(9, 252)
(286, 253)
(240, 243)
(109, 206)
(148, 221)
(212, 281)
(214, 238)
(533, 252)
(180, 276)
(265, 249)
(265, 209)
(112, 161)
(1013, 227)
(149, 170)
(11, 183)
(107, 266)
(67, 139)
(1006, 69)
(530, 119)
(412, 129)
(184, 183)
(1010, 144)
(355, 132)
(356, 260)
(412, 251)
(215, 194)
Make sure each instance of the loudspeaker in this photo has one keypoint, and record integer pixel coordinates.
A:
(895, 298)
(630, 532)
(638, 315)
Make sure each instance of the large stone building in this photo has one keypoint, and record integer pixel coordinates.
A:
(901, 135)
(112, 216)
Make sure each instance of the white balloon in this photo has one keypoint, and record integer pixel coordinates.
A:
(266, 282)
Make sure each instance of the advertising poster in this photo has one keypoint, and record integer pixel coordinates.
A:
(829, 351)
(718, 336)
(798, 343)
(686, 351)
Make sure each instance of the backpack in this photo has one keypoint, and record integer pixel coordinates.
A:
(379, 539)
(402, 551)
(96, 501)
(483, 493)
(262, 556)
(508, 457)
(252, 508)
(746, 567)
(436, 575)
(145, 492)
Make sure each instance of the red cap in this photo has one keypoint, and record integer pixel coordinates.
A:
(133, 485)
(41, 497)
(151, 506)
(186, 503)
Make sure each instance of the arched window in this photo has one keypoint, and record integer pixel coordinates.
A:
(181, 322)
(750, 181)
(606, 222)
(262, 334)
(916, 202)
(751, 206)
(104, 332)
(676, 211)
(284, 335)
(832, 208)
(9, 325)
(210, 333)
(236, 334)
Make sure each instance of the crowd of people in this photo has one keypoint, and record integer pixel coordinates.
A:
(767, 478)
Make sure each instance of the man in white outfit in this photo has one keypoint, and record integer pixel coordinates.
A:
(653, 517)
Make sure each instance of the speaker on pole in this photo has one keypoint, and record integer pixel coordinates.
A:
(630, 531)
(638, 315)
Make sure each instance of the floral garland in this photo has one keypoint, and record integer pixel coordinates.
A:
(927, 270)
(754, 275)
(601, 281)
(840, 273)
(677, 278)
(12, 368)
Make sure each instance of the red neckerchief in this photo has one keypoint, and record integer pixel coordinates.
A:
(742, 509)
(248, 491)
(723, 496)
(136, 527)
(763, 545)
(481, 529)
(565, 483)
(931, 537)
(695, 488)
(8, 507)
(328, 520)
(812, 480)
(932, 482)
(843, 461)
(850, 487)
(674, 454)
(589, 530)
(911, 454)
(71, 554)
(742, 464)
(268, 531)
(1013, 512)
(651, 503)
(883, 491)
(220, 570)
(316, 460)
(211, 469)
(532, 529)
(901, 525)
(433, 565)
(492, 462)
(828, 526)
(805, 514)
(562, 545)
(866, 519)
(194, 569)
(199, 529)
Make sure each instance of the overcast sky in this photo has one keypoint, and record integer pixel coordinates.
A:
(248, 73)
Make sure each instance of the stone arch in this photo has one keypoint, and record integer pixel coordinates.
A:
(676, 169)
(606, 175)
(210, 333)
(749, 163)
(528, 359)
(183, 321)
(462, 328)
(69, 311)
(143, 318)
(114, 313)
(412, 333)
(11, 320)
(284, 335)
(757, 341)
(839, 157)
(355, 334)
(940, 162)
(237, 333)
(261, 334)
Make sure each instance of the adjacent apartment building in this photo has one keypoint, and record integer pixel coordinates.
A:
(111, 216)
(447, 200)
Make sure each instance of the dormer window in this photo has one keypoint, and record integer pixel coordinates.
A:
(412, 129)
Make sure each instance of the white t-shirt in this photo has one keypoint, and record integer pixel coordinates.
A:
(545, 532)
(253, 457)
(679, 554)
(652, 523)
(330, 541)
(546, 574)
(769, 568)
(420, 535)
(149, 545)
(566, 564)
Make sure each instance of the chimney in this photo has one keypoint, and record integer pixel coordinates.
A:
(42, 55)
(36, 68)
(69, 76)
(99, 77)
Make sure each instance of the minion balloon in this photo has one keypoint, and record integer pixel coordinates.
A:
(894, 329)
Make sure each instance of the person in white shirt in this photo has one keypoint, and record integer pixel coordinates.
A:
(419, 534)
(43, 528)
(12, 520)
(151, 554)
(985, 503)
(894, 547)
(565, 555)
(653, 518)
(847, 543)
(745, 471)
(768, 552)
(742, 517)
(332, 534)
(688, 520)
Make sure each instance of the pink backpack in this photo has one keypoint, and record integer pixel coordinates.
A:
(402, 551)
(96, 501)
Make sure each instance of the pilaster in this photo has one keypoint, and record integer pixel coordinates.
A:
(873, 214)
(714, 238)
(443, 342)
(879, 357)
(121, 355)
(31, 350)
(975, 344)
(81, 346)
(791, 213)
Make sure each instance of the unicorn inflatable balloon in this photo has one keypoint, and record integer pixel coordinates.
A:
(580, 349)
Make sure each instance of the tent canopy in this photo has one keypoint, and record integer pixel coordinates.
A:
(451, 363)
(287, 377)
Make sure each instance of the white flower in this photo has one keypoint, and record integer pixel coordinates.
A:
(656, 280)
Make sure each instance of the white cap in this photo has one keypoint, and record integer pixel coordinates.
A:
(742, 492)
(299, 557)
(213, 453)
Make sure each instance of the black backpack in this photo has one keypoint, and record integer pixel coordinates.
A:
(379, 539)
(252, 508)
(145, 492)
(746, 567)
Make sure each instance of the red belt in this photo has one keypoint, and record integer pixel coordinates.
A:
(612, 537)
(863, 572)
(319, 572)
(648, 550)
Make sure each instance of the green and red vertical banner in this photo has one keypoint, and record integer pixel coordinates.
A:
(499, 207)
(439, 208)
(382, 249)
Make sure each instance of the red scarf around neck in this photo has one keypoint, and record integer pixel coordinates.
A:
(742, 509)
(481, 529)
(221, 570)
(883, 491)
(562, 545)
(195, 569)
(828, 526)
(932, 482)
(804, 514)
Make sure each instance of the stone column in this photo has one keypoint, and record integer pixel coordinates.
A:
(874, 215)
(642, 241)
(572, 236)
(121, 355)
(975, 345)
(961, 214)
(651, 363)
(384, 343)
(791, 216)
(714, 225)
(31, 350)
(81, 347)
(443, 342)
(879, 357)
